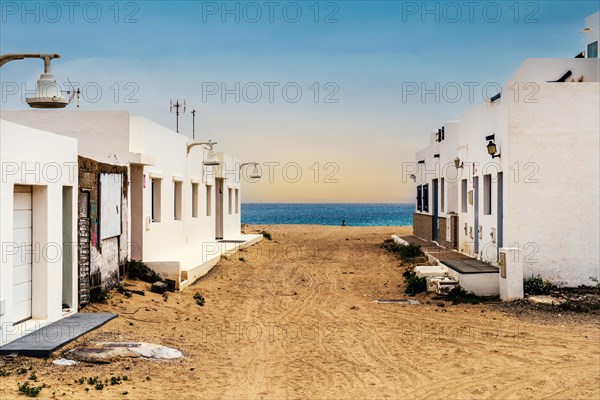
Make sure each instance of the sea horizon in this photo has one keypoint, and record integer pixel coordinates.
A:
(328, 214)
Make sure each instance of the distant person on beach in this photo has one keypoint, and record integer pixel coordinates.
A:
(343, 222)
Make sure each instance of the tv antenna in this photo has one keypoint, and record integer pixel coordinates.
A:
(193, 124)
(72, 93)
(176, 106)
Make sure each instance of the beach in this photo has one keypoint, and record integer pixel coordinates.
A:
(294, 317)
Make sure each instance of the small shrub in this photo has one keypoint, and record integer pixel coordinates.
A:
(165, 297)
(4, 372)
(30, 391)
(21, 371)
(199, 299)
(458, 295)
(99, 386)
(32, 377)
(266, 235)
(92, 380)
(139, 270)
(405, 252)
(537, 285)
(414, 284)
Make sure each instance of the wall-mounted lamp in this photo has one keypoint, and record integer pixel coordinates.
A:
(413, 177)
(255, 173)
(211, 156)
(491, 146)
(458, 163)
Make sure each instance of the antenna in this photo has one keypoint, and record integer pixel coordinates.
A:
(193, 124)
(75, 92)
(176, 106)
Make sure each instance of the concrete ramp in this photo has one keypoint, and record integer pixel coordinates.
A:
(46, 340)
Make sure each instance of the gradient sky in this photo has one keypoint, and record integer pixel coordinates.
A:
(364, 51)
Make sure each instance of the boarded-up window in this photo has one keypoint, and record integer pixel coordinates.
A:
(463, 195)
(208, 200)
(110, 205)
(237, 201)
(195, 189)
(177, 200)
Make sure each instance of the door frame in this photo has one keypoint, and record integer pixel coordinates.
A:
(434, 201)
(476, 215)
(219, 208)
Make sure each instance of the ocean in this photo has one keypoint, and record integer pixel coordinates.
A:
(328, 214)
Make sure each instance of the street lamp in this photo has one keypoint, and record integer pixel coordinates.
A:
(255, 173)
(47, 91)
(211, 156)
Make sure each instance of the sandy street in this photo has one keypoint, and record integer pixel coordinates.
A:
(295, 319)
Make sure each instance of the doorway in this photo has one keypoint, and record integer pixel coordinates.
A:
(67, 251)
(22, 260)
(499, 222)
(476, 216)
(434, 228)
(83, 226)
(219, 209)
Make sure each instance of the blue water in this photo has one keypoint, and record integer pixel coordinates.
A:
(328, 214)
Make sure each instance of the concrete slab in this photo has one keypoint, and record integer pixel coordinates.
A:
(46, 340)
(430, 270)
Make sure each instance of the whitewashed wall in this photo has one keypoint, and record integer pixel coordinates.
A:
(48, 162)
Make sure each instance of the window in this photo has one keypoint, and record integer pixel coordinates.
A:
(177, 200)
(419, 199)
(195, 200)
(463, 195)
(592, 50)
(156, 194)
(426, 198)
(442, 200)
(237, 201)
(230, 200)
(208, 200)
(487, 194)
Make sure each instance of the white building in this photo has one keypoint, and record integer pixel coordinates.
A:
(142, 191)
(38, 203)
(539, 191)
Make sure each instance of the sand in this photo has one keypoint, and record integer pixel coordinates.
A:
(296, 320)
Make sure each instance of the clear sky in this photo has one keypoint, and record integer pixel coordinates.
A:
(317, 88)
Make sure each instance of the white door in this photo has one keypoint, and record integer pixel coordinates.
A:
(22, 231)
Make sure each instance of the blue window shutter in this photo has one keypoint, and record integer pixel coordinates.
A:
(426, 198)
(419, 205)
